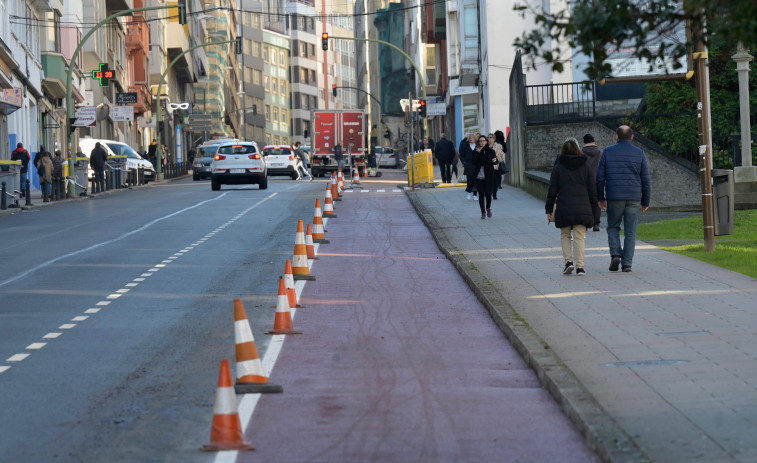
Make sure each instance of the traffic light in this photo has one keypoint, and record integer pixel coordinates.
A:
(333, 90)
(238, 45)
(325, 41)
(422, 108)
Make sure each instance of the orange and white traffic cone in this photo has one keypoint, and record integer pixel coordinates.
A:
(365, 170)
(319, 234)
(335, 192)
(226, 430)
(328, 205)
(340, 181)
(289, 283)
(355, 177)
(309, 247)
(250, 376)
(283, 322)
(300, 259)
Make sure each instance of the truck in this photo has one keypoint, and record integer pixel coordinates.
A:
(346, 126)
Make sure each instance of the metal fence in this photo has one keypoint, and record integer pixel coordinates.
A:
(555, 103)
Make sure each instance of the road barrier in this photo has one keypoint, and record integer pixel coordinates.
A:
(226, 430)
(282, 324)
(250, 377)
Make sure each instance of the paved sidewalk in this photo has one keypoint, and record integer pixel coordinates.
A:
(655, 365)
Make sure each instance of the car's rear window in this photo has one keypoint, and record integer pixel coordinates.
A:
(276, 151)
(207, 151)
(237, 149)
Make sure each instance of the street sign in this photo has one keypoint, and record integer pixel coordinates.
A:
(436, 109)
(86, 116)
(404, 103)
(122, 113)
(104, 74)
(126, 98)
(147, 122)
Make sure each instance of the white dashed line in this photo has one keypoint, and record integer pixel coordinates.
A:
(153, 270)
(66, 326)
(380, 191)
(160, 265)
(92, 310)
(51, 335)
(124, 290)
(144, 275)
(114, 296)
(141, 279)
(4, 368)
(131, 285)
(36, 345)
(103, 303)
(17, 357)
(79, 318)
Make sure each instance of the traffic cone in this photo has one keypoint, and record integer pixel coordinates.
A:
(319, 235)
(340, 181)
(226, 430)
(309, 247)
(355, 177)
(250, 376)
(289, 282)
(300, 260)
(365, 170)
(328, 205)
(335, 190)
(283, 321)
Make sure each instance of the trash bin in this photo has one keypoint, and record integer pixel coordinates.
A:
(722, 201)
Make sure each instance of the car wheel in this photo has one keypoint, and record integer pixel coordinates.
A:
(215, 185)
(195, 177)
(263, 183)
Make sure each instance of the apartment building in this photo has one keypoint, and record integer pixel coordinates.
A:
(276, 84)
(253, 66)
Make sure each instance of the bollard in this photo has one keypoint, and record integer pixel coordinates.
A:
(3, 202)
(28, 195)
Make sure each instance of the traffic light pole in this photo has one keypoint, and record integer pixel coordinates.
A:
(69, 79)
(159, 115)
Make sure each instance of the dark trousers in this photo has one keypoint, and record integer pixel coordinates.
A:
(446, 170)
(99, 181)
(484, 186)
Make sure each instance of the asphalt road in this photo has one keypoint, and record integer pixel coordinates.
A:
(115, 311)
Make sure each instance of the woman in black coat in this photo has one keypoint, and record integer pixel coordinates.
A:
(484, 159)
(466, 150)
(572, 188)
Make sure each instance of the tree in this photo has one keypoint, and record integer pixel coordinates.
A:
(594, 26)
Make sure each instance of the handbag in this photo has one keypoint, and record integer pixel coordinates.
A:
(503, 168)
(41, 170)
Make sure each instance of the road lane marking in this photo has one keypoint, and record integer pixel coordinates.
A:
(79, 318)
(49, 262)
(4, 368)
(51, 335)
(93, 310)
(36, 345)
(103, 303)
(66, 326)
(114, 296)
(19, 357)
(124, 290)
(131, 285)
(145, 275)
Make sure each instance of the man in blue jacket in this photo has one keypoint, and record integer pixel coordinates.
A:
(623, 188)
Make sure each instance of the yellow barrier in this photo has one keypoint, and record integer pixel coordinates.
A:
(422, 165)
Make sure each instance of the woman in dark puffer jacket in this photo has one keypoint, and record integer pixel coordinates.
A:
(572, 188)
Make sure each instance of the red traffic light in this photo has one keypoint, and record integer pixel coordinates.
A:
(325, 41)
(333, 90)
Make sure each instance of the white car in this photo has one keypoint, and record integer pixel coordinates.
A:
(386, 156)
(280, 160)
(236, 163)
(117, 148)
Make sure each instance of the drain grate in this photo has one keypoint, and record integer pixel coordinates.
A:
(644, 363)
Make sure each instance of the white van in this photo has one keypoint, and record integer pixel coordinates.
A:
(117, 148)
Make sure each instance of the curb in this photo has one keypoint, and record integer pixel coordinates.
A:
(601, 433)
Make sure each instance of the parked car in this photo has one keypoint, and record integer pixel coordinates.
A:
(204, 157)
(280, 160)
(386, 156)
(116, 148)
(238, 162)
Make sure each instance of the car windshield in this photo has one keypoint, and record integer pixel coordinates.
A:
(280, 151)
(119, 149)
(237, 149)
(207, 151)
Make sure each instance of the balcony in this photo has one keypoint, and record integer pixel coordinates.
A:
(114, 6)
(47, 5)
(143, 98)
(54, 66)
(138, 35)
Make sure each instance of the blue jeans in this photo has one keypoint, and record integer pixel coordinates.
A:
(628, 213)
(22, 187)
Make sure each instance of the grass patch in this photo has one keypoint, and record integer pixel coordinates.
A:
(737, 252)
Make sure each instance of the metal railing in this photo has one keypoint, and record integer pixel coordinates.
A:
(555, 103)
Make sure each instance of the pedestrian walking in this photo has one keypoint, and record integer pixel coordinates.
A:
(152, 153)
(573, 190)
(44, 164)
(339, 155)
(21, 154)
(97, 159)
(467, 150)
(623, 188)
(593, 153)
(499, 138)
(492, 142)
(445, 152)
(58, 180)
(484, 159)
(301, 164)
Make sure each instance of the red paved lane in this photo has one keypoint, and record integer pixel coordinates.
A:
(399, 361)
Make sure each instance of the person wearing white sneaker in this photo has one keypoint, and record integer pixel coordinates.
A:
(572, 188)
(302, 162)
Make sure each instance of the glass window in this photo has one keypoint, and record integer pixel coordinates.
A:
(265, 83)
(273, 56)
(256, 20)
(471, 27)
(236, 149)
(256, 49)
(303, 49)
(312, 49)
(257, 76)
(265, 54)
(267, 112)
(282, 60)
(283, 87)
(284, 118)
(275, 85)
(268, 139)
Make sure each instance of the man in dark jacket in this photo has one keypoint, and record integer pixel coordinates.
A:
(20, 154)
(445, 153)
(623, 188)
(339, 155)
(593, 153)
(97, 159)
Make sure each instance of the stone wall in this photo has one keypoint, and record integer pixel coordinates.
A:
(674, 186)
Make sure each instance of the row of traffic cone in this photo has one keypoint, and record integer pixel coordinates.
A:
(226, 430)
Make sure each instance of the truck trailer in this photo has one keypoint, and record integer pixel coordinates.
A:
(345, 126)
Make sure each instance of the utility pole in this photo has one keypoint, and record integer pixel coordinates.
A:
(705, 134)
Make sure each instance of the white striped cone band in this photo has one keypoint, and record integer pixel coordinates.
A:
(226, 401)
